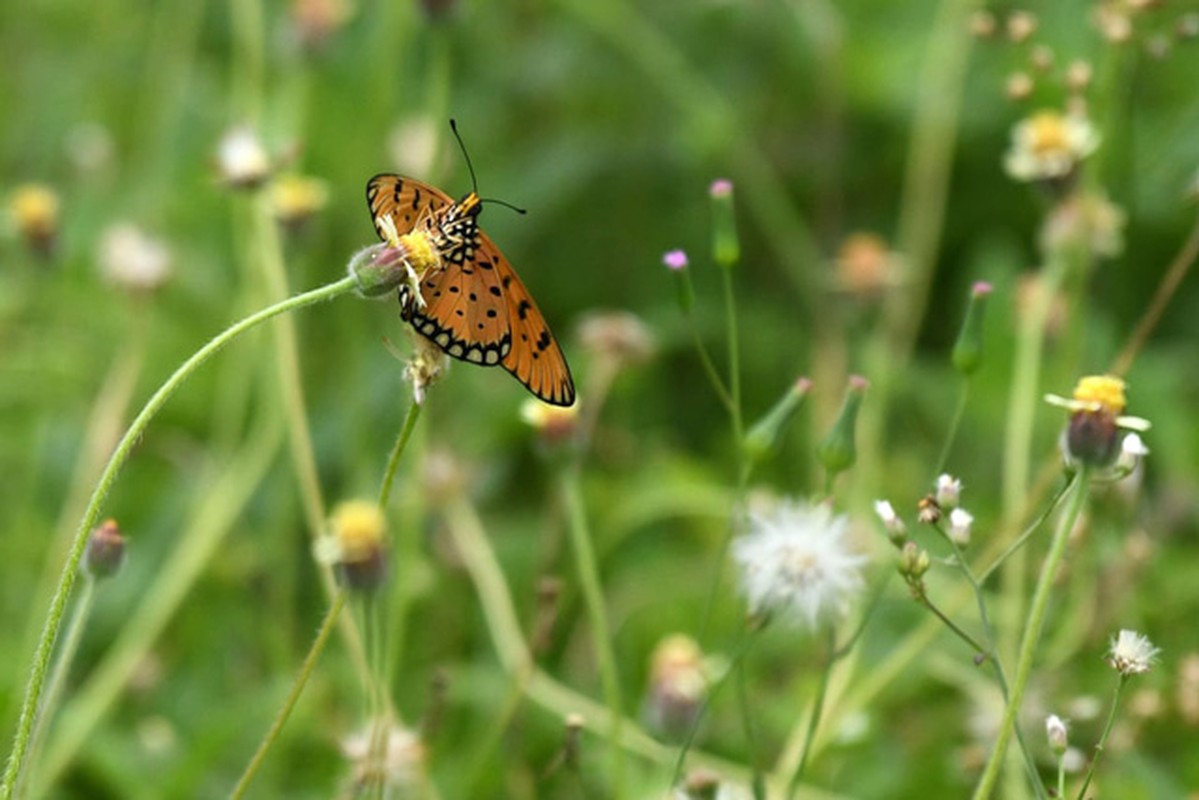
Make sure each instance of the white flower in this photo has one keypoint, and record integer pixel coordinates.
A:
(795, 560)
(948, 491)
(891, 521)
(132, 260)
(241, 158)
(1055, 729)
(1049, 145)
(960, 521)
(393, 757)
(1133, 445)
(1131, 653)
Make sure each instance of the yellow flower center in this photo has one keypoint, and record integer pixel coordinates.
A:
(34, 207)
(1104, 391)
(421, 255)
(358, 526)
(1047, 133)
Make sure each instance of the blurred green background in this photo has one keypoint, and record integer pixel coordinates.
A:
(607, 121)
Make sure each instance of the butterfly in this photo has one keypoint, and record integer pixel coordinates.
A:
(472, 305)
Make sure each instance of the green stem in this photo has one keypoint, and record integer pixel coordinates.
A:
(747, 726)
(393, 461)
(817, 712)
(709, 368)
(1107, 729)
(1032, 634)
(66, 582)
(289, 704)
(1032, 528)
(593, 597)
(62, 666)
(730, 313)
(954, 424)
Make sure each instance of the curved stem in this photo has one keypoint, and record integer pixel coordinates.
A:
(1032, 634)
(593, 597)
(306, 669)
(393, 461)
(66, 582)
(1107, 729)
(954, 424)
(817, 712)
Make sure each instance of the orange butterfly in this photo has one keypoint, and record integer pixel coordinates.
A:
(472, 304)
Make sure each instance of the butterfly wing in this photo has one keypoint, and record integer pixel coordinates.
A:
(406, 200)
(480, 312)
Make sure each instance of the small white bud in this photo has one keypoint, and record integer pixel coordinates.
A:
(960, 522)
(949, 491)
(1055, 729)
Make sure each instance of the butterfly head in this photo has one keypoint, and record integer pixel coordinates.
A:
(470, 205)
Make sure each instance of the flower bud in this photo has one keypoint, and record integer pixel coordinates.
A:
(766, 433)
(356, 545)
(968, 350)
(1055, 729)
(897, 532)
(34, 210)
(837, 452)
(913, 562)
(105, 551)
(677, 685)
(726, 247)
(676, 262)
(960, 523)
(948, 491)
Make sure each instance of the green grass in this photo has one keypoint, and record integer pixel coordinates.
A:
(608, 122)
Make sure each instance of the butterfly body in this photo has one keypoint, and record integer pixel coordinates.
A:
(471, 303)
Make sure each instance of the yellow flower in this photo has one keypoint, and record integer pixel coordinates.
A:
(1093, 435)
(356, 544)
(1049, 145)
(296, 198)
(33, 209)
(554, 423)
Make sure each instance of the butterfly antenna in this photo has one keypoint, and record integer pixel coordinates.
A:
(474, 184)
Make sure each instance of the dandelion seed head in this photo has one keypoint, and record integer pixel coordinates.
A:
(795, 560)
(1131, 653)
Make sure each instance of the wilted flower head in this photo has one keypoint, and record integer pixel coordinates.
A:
(105, 551)
(394, 759)
(356, 544)
(1049, 145)
(554, 423)
(866, 265)
(133, 260)
(619, 335)
(795, 560)
(413, 145)
(242, 161)
(1131, 653)
(33, 210)
(677, 683)
(1093, 434)
(425, 368)
(296, 198)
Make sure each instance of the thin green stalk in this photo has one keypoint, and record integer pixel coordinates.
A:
(1032, 634)
(293, 696)
(593, 598)
(817, 712)
(710, 368)
(393, 461)
(747, 726)
(499, 612)
(1107, 729)
(952, 434)
(212, 517)
(62, 666)
(1033, 527)
(730, 313)
(66, 583)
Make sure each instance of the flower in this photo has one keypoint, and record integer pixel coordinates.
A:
(896, 530)
(105, 551)
(795, 560)
(425, 368)
(675, 260)
(866, 265)
(241, 159)
(316, 21)
(554, 423)
(1131, 653)
(33, 209)
(296, 198)
(1021, 25)
(394, 757)
(355, 544)
(960, 522)
(1055, 730)
(1049, 145)
(1092, 436)
(133, 260)
(677, 683)
(1088, 219)
(948, 491)
(618, 335)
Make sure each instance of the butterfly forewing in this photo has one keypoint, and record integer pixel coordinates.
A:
(406, 200)
(476, 309)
